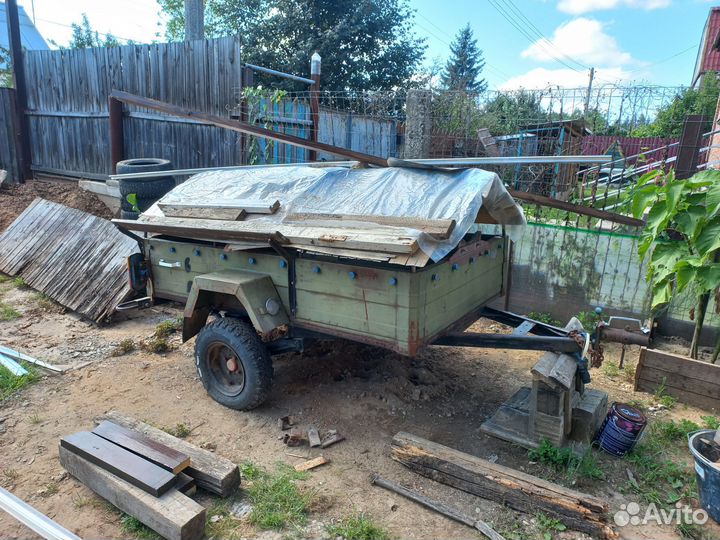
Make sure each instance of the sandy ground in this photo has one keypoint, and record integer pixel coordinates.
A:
(368, 394)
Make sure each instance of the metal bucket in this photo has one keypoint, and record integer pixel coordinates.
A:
(708, 476)
(621, 429)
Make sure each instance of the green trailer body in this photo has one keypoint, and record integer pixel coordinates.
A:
(396, 307)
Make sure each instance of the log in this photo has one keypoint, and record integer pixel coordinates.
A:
(211, 472)
(155, 452)
(173, 515)
(520, 491)
(124, 464)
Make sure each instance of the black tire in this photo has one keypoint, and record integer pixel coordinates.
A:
(129, 166)
(146, 188)
(128, 214)
(233, 364)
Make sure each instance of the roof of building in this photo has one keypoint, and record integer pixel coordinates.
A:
(29, 35)
(708, 58)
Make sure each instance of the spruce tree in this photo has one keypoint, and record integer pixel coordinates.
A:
(464, 67)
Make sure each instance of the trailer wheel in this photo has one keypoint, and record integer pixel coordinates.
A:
(233, 363)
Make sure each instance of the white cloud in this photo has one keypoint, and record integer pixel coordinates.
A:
(540, 78)
(582, 39)
(578, 7)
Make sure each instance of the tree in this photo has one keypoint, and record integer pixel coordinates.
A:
(364, 44)
(670, 118)
(507, 112)
(84, 36)
(683, 225)
(465, 65)
(6, 76)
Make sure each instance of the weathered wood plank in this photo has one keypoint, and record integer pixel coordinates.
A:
(681, 365)
(124, 464)
(211, 471)
(172, 515)
(203, 212)
(439, 228)
(153, 451)
(520, 491)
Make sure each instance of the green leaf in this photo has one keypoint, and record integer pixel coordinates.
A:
(703, 179)
(686, 272)
(662, 292)
(648, 177)
(646, 240)
(133, 200)
(665, 257)
(707, 238)
(712, 199)
(642, 198)
(657, 218)
(686, 221)
(673, 192)
(708, 277)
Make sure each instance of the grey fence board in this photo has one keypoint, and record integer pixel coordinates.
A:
(8, 157)
(374, 136)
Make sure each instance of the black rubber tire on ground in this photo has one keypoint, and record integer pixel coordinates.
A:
(233, 363)
(147, 188)
(129, 166)
(129, 214)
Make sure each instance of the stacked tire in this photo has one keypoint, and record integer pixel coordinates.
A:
(146, 190)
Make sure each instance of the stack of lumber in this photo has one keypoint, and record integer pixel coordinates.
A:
(518, 490)
(368, 237)
(148, 473)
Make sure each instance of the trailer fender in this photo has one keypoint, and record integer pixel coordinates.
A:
(252, 292)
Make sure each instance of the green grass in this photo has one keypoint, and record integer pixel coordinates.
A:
(711, 422)
(549, 526)
(358, 526)
(588, 319)
(277, 500)
(20, 283)
(8, 313)
(662, 398)
(45, 302)
(126, 346)
(180, 430)
(661, 464)
(135, 528)
(227, 527)
(4, 278)
(544, 318)
(566, 461)
(610, 369)
(166, 328)
(156, 345)
(35, 419)
(10, 384)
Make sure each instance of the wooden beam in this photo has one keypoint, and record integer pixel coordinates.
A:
(117, 137)
(122, 463)
(20, 121)
(520, 491)
(439, 228)
(244, 127)
(203, 212)
(576, 208)
(211, 472)
(153, 451)
(172, 515)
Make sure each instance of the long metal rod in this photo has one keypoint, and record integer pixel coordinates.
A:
(446, 162)
(281, 74)
(509, 341)
(32, 518)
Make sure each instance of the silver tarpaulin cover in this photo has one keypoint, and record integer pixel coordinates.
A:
(398, 192)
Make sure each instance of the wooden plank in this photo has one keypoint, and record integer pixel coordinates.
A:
(518, 490)
(250, 207)
(211, 472)
(366, 240)
(681, 365)
(203, 212)
(172, 515)
(311, 464)
(128, 466)
(153, 451)
(439, 228)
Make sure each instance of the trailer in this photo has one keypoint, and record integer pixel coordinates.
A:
(266, 260)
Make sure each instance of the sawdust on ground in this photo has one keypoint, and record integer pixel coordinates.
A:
(16, 197)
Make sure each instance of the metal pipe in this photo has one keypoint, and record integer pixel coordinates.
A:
(281, 74)
(509, 341)
(446, 162)
(32, 518)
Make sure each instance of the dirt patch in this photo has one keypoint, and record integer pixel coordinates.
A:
(15, 198)
(368, 394)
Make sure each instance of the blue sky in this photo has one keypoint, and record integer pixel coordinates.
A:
(622, 39)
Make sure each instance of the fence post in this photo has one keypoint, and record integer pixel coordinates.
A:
(688, 151)
(315, 68)
(117, 140)
(247, 80)
(418, 124)
(22, 126)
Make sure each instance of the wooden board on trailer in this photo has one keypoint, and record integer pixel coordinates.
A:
(153, 451)
(689, 381)
(122, 463)
(439, 228)
(172, 515)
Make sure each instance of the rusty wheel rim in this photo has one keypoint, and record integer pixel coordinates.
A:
(226, 369)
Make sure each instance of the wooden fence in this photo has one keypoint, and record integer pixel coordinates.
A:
(8, 157)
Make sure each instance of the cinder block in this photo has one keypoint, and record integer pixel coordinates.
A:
(588, 415)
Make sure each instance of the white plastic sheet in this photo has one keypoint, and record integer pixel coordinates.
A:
(399, 192)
